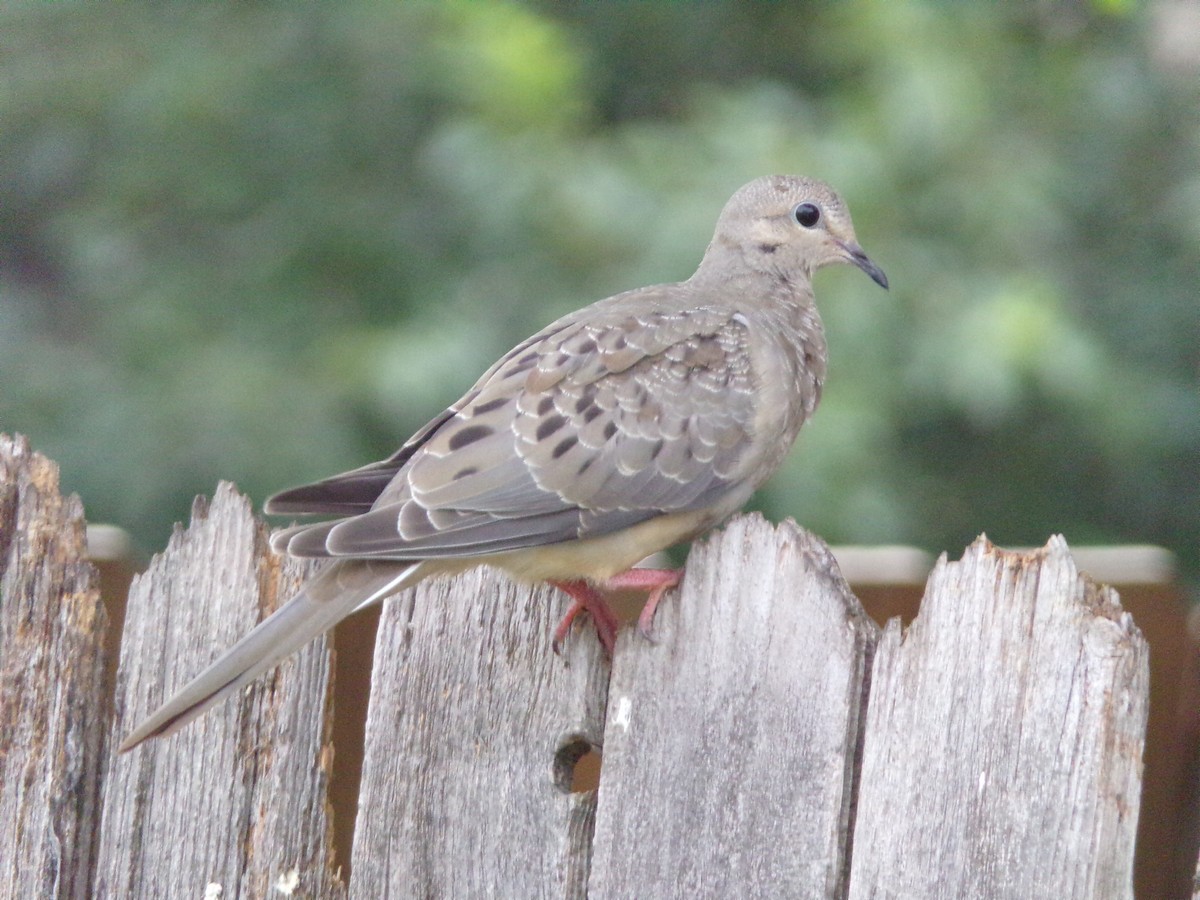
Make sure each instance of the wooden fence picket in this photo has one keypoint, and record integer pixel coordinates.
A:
(474, 727)
(1003, 750)
(731, 738)
(234, 803)
(53, 711)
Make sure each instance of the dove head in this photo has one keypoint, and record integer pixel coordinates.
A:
(786, 226)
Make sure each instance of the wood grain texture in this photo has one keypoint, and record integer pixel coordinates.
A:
(730, 743)
(237, 798)
(52, 700)
(1004, 736)
(473, 726)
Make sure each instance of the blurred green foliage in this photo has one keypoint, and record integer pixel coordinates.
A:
(265, 242)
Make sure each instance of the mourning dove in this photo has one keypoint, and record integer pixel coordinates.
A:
(621, 429)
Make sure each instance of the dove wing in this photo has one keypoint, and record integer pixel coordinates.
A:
(594, 425)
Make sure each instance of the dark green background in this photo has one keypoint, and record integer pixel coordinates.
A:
(265, 242)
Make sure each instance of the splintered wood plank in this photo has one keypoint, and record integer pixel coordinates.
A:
(729, 751)
(473, 730)
(234, 802)
(53, 708)
(1003, 746)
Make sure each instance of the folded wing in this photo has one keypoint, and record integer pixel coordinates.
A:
(585, 429)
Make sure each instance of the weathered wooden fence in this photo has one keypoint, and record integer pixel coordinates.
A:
(771, 741)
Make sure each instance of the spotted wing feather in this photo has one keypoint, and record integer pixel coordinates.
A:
(589, 428)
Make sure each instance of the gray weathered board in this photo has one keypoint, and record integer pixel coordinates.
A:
(1004, 737)
(730, 742)
(767, 741)
(52, 715)
(473, 729)
(235, 803)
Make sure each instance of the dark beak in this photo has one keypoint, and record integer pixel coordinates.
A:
(860, 259)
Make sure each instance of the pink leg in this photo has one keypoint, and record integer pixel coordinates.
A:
(656, 581)
(587, 599)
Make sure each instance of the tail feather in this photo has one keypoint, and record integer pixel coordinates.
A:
(329, 597)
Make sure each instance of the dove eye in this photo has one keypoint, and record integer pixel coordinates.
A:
(807, 214)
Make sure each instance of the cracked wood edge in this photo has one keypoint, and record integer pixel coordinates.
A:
(52, 693)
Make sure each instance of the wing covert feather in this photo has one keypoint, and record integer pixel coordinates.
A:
(592, 426)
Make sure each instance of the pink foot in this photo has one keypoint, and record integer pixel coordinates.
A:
(587, 599)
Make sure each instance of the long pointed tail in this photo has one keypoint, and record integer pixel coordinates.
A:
(329, 597)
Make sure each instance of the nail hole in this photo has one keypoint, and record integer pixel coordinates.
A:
(576, 765)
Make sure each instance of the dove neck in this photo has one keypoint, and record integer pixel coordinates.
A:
(726, 271)
(728, 258)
